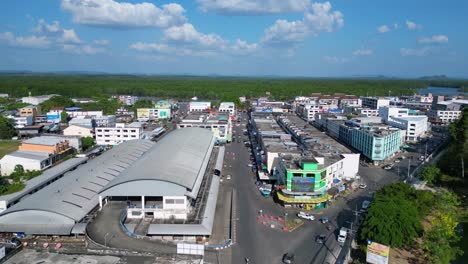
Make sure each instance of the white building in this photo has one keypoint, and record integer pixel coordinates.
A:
(105, 121)
(227, 107)
(118, 134)
(22, 121)
(415, 126)
(367, 112)
(78, 113)
(30, 160)
(446, 111)
(77, 130)
(3, 95)
(199, 106)
(374, 102)
(127, 99)
(36, 100)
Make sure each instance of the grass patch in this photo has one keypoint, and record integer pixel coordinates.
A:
(11, 188)
(7, 146)
(292, 224)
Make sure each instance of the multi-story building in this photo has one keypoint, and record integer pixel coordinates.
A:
(446, 111)
(77, 130)
(77, 111)
(367, 112)
(152, 114)
(54, 115)
(126, 99)
(415, 126)
(324, 163)
(350, 101)
(377, 143)
(105, 121)
(227, 107)
(199, 106)
(118, 134)
(83, 121)
(308, 111)
(22, 121)
(374, 102)
(219, 124)
(48, 144)
(30, 110)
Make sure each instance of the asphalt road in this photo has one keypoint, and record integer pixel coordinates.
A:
(262, 244)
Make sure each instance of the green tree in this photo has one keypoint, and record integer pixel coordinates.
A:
(430, 174)
(56, 101)
(143, 104)
(7, 128)
(64, 117)
(87, 142)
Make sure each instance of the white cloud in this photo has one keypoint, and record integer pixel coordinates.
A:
(383, 29)
(412, 26)
(435, 39)
(321, 19)
(335, 60)
(363, 52)
(123, 14)
(254, 7)
(56, 31)
(242, 47)
(101, 42)
(10, 39)
(187, 34)
(415, 52)
(69, 36)
(396, 26)
(82, 49)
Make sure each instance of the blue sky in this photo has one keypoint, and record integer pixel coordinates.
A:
(237, 37)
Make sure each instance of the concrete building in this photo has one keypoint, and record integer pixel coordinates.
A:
(169, 183)
(199, 106)
(30, 110)
(323, 164)
(105, 121)
(128, 100)
(36, 100)
(154, 114)
(118, 134)
(83, 100)
(30, 160)
(227, 107)
(55, 115)
(415, 126)
(3, 95)
(374, 102)
(22, 121)
(446, 111)
(219, 124)
(78, 112)
(376, 142)
(83, 121)
(77, 130)
(52, 145)
(367, 112)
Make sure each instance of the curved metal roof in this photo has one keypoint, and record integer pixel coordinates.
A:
(76, 193)
(180, 158)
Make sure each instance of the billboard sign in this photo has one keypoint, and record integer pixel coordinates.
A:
(377, 253)
(300, 184)
(143, 113)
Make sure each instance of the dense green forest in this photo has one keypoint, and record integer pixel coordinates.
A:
(222, 88)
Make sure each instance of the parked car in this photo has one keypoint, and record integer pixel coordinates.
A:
(397, 161)
(362, 186)
(321, 239)
(365, 205)
(288, 258)
(304, 215)
(228, 177)
(388, 167)
(342, 235)
(422, 158)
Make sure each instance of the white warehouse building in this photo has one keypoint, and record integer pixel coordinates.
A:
(415, 126)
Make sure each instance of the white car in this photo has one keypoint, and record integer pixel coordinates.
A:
(228, 177)
(342, 235)
(305, 216)
(362, 186)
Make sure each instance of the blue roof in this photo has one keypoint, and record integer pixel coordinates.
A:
(73, 108)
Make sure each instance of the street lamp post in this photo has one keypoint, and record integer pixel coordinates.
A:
(105, 239)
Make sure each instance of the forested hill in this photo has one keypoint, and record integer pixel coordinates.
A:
(206, 87)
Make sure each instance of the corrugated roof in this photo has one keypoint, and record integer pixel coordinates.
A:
(180, 158)
(33, 155)
(76, 194)
(48, 141)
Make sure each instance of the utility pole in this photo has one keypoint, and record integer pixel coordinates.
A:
(425, 153)
(409, 166)
(463, 165)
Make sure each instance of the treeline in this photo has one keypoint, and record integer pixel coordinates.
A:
(456, 156)
(98, 86)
